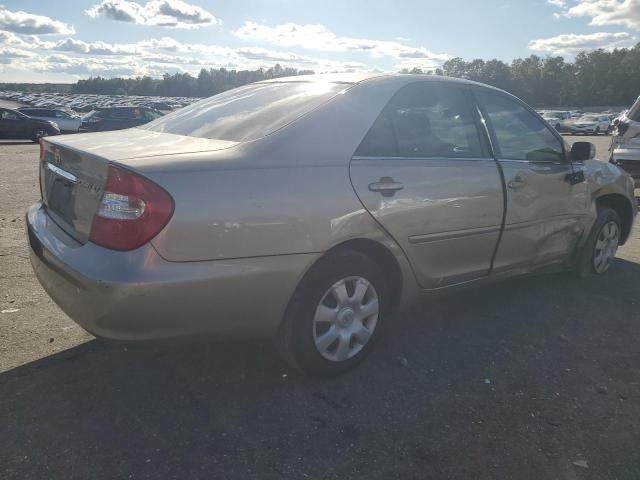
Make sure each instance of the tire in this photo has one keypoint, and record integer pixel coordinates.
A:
(598, 252)
(318, 329)
(597, 130)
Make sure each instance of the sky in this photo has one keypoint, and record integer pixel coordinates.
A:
(65, 40)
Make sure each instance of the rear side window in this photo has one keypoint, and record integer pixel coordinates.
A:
(521, 135)
(424, 120)
(248, 112)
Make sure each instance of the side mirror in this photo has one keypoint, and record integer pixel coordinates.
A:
(581, 151)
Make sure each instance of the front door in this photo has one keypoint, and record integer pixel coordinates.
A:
(544, 207)
(425, 173)
(12, 125)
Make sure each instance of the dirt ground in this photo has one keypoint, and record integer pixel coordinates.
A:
(537, 378)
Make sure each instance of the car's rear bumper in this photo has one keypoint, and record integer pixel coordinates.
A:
(138, 295)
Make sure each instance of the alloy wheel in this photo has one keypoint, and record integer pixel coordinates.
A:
(606, 247)
(345, 318)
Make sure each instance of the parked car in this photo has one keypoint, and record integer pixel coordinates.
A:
(312, 208)
(66, 121)
(117, 118)
(18, 126)
(591, 124)
(560, 120)
(625, 144)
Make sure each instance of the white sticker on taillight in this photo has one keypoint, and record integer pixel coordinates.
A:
(120, 207)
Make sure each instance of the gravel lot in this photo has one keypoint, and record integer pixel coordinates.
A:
(537, 378)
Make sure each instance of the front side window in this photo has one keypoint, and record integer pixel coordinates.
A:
(247, 113)
(424, 119)
(119, 114)
(521, 135)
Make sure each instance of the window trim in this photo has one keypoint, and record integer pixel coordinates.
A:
(494, 139)
(485, 144)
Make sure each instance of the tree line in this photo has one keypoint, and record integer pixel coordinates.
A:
(597, 78)
(207, 83)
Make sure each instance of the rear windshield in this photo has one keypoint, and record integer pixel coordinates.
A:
(248, 112)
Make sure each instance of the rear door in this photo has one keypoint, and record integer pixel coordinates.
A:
(544, 208)
(425, 173)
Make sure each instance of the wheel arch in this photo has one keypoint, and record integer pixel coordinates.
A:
(378, 252)
(623, 207)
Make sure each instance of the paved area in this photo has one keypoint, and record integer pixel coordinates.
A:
(537, 378)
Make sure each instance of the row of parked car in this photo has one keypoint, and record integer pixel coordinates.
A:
(45, 114)
(577, 122)
(33, 123)
(85, 103)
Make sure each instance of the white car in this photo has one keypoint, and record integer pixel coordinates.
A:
(593, 124)
(625, 145)
(559, 119)
(68, 122)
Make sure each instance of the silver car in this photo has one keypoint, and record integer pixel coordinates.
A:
(311, 208)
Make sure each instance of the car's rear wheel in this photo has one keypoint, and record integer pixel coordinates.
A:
(600, 249)
(335, 315)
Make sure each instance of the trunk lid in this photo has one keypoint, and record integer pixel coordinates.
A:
(73, 170)
(71, 185)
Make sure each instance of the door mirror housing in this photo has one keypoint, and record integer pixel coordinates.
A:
(581, 151)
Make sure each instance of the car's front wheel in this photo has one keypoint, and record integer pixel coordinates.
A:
(336, 314)
(600, 249)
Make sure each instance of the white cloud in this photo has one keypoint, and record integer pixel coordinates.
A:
(608, 12)
(108, 67)
(9, 54)
(317, 37)
(162, 13)
(28, 23)
(94, 48)
(557, 3)
(574, 43)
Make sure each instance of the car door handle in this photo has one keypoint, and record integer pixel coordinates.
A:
(516, 183)
(387, 186)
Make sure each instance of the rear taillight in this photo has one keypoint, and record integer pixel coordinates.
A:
(132, 211)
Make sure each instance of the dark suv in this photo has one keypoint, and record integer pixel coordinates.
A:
(18, 126)
(118, 118)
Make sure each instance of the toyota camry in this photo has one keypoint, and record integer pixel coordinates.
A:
(312, 208)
